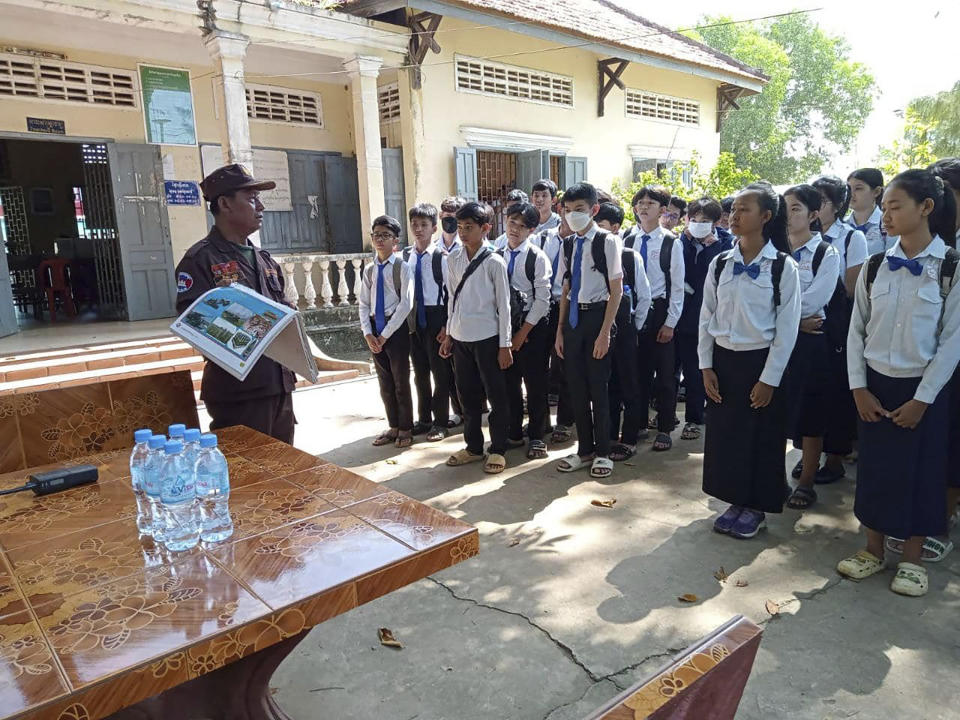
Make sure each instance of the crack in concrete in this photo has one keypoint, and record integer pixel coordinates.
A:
(830, 585)
(589, 687)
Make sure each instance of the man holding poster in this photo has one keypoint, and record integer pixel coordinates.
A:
(262, 401)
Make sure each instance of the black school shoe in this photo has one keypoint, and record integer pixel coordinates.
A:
(825, 476)
(421, 428)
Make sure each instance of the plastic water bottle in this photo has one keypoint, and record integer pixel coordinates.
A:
(152, 475)
(178, 492)
(213, 491)
(138, 463)
(191, 446)
(176, 431)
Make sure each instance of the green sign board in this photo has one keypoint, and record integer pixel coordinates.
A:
(167, 106)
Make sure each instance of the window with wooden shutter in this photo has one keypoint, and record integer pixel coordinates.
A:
(652, 106)
(51, 79)
(275, 104)
(518, 83)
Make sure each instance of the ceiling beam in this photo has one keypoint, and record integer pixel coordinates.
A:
(610, 71)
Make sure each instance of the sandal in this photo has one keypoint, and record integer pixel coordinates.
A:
(860, 566)
(601, 468)
(560, 434)
(387, 437)
(404, 440)
(454, 421)
(663, 442)
(621, 451)
(536, 450)
(462, 457)
(494, 464)
(797, 470)
(935, 550)
(572, 463)
(691, 431)
(910, 580)
(652, 424)
(801, 498)
(436, 434)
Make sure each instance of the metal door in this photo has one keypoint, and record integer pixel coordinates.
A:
(101, 223)
(304, 228)
(8, 316)
(465, 160)
(342, 200)
(532, 166)
(143, 231)
(574, 171)
(394, 199)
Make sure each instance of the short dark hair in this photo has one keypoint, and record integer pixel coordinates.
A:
(837, 192)
(581, 191)
(727, 204)
(654, 192)
(215, 203)
(478, 212)
(425, 211)
(707, 206)
(527, 212)
(389, 223)
(545, 184)
(517, 196)
(452, 204)
(604, 197)
(679, 203)
(611, 212)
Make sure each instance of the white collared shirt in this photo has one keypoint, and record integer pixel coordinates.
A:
(816, 290)
(552, 247)
(550, 223)
(501, 242)
(739, 312)
(593, 288)
(432, 294)
(639, 287)
(396, 305)
(483, 308)
(877, 239)
(454, 246)
(658, 283)
(896, 329)
(853, 254)
(536, 295)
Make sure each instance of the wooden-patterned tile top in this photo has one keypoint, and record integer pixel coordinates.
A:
(244, 472)
(11, 454)
(270, 505)
(280, 459)
(153, 401)
(11, 602)
(238, 438)
(26, 518)
(67, 424)
(28, 671)
(309, 557)
(418, 525)
(144, 617)
(337, 485)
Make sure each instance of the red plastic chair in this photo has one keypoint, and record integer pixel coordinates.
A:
(52, 275)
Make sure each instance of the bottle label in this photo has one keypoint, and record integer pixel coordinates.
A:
(179, 488)
(150, 480)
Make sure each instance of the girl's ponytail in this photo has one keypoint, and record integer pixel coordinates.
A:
(921, 185)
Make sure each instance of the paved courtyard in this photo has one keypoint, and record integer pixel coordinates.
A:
(567, 603)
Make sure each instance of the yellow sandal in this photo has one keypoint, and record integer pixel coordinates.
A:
(860, 566)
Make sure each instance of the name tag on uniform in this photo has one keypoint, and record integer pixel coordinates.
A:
(932, 273)
(226, 273)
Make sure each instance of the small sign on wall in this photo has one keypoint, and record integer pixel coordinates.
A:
(181, 192)
(46, 125)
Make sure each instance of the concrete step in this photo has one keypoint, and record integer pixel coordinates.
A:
(21, 358)
(88, 377)
(97, 360)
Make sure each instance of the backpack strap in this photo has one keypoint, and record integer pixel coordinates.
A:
(776, 272)
(846, 242)
(436, 262)
(397, 277)
(818, 256)
(630, 271)
(666, 250)
(406, 252)
(948, 271)
(530, 266)
(873, 267)
(471, 268)
(598, 251)
(567, 255)
(722, 259)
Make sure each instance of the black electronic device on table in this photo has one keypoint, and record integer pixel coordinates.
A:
(52, 481)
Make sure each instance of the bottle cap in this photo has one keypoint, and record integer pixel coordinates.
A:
(191, 435)
(141, 436)
(176, 430)
(157, 442)
(172, 447)
(208, 440)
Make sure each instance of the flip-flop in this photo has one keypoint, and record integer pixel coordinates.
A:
(494, 464)
(662, 443)
(802, 498)
(403, 441)
(797, 470)
(436, 434)
(462, 457)
(387, 437)
(621, 451)
(560, 434)
(601, 468)
(572, 463)
(536, 450)
(938, 549)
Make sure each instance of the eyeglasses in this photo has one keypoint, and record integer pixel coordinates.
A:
(672, 216)
(382, 236)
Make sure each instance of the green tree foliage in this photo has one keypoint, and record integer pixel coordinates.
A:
(914, 150)
(931, 131)
(814, 106)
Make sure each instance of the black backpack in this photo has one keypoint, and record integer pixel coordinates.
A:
(436, 264)
(597, 252)
(666, 251)
(838, 307)
(517, 298)
(947, 279)
(776, 272)
(630, 271)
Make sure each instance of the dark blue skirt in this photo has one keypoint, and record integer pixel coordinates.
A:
(953, 464)
(901, 474)
(808, 384)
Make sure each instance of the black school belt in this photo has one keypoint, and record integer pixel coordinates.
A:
(586, 307)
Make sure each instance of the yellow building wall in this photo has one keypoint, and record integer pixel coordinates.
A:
(604, 141)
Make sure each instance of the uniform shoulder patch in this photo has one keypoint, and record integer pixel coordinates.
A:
(184, 282)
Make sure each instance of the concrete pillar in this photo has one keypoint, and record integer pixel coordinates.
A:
(363, 71)
(413, 140)
(227, 51)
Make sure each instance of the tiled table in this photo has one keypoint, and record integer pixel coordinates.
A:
(93, 620)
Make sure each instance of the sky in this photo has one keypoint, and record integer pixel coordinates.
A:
(912, 48)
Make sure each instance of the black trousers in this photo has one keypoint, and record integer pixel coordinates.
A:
(655, 367)
(393, 372)
(530, 368)
(271, 415)
(689, 360)
(624, 388)
(433, 400)
(478, 374)
(558, 375)
(452, 384)
(588, 380)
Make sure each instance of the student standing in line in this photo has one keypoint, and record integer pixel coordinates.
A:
(904, 344)
(449, 241)
(624, 388)
(513, 197)
(663, 260)
(748, 326)
(808, 375)
(386, 296)
(701, 244)
(673, 213)
(428, 265)
(725, 205)
(478, 337)
(529, 274)
(543, 195)
(851, 244)
(593, 286)
(866, 192)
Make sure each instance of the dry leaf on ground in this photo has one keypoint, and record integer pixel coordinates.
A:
(742, 583)
(772, 607)
(688, 598)
(604, 503)
(721, 575)
(387, 638)
(391, 461)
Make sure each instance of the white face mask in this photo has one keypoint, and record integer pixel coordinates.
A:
(700, 230)
(578, 221)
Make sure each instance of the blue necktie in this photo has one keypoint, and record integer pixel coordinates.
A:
(753, 270)
(380, 315)
(513, 260)
(913, 266)
(575, 284)
(556, 259)
(643, 248)
(418, 295)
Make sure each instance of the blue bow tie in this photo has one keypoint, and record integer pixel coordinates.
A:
(753, 270)
(913, 266)
(863, 228)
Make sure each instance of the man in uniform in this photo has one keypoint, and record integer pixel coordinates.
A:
(263, 401)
